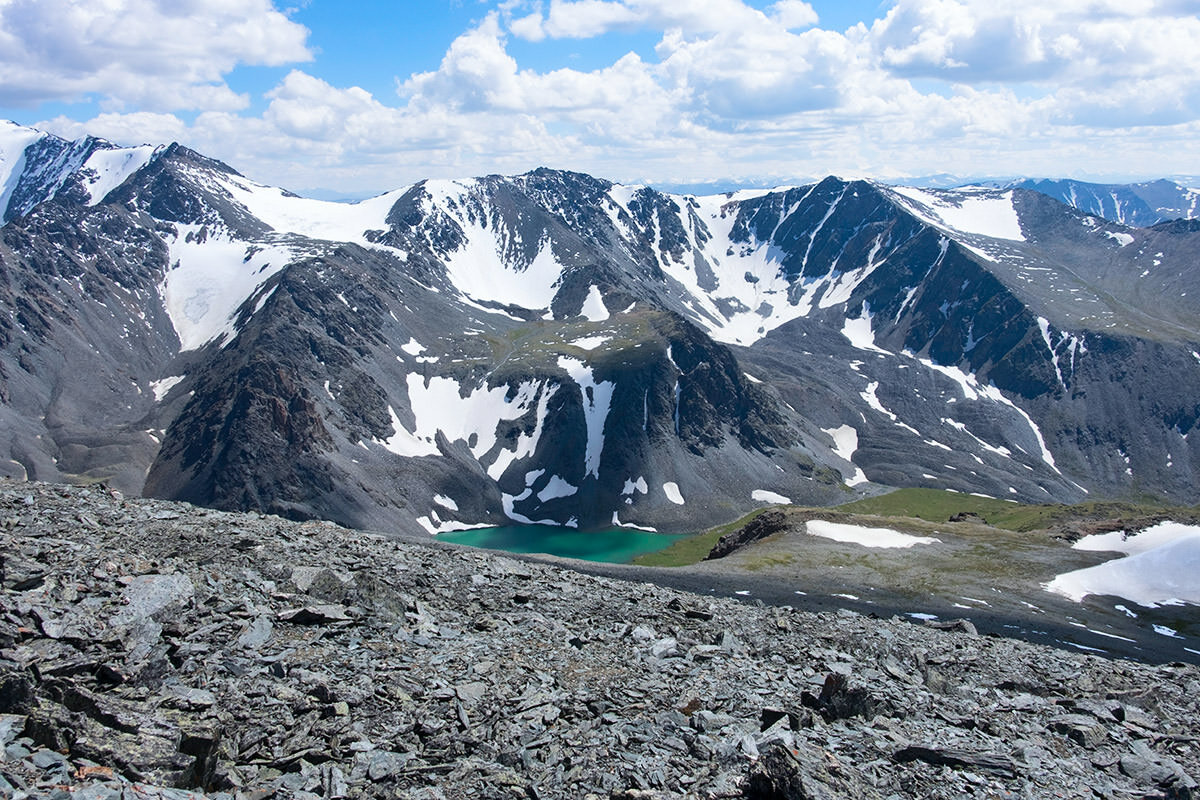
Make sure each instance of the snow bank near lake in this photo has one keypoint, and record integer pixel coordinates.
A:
(1161, 566)
(867, 537)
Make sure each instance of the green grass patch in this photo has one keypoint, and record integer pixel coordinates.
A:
(936, 505)
(767, 561)
(692, 549)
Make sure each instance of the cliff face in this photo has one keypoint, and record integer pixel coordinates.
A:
(149, 647)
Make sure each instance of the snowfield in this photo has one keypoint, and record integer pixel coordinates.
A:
(108, 169)
(1161, 566)
(982, 212)
(867, 537)
(316, 219)
(211, 275)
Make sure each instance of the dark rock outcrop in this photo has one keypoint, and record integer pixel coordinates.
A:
(765, 524)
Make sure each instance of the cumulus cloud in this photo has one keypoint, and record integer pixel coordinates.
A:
(788, 73)
(1097, 62)
(729, 91)
(141, 127)
(582, 19)
(155, 55)
(1030, 40)
(793, 14)
(478, 75)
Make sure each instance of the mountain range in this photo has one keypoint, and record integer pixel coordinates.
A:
(1139, 204)
(553, 347)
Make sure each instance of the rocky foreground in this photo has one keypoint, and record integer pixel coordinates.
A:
(150, 649)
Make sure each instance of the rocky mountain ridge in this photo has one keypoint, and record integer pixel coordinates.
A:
(1138, 204)
(155, 649)
(553, 347)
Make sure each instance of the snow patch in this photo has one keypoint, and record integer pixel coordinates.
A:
(107, 169)
(439, 406)
(211, 275)
(632, 486)
(526, 443)
(445, 502)
(556, 488)
(1122, 239)
(435, 526)
(596, 399)
(872, 399)
(858, 331)
(1044, 327)
(1159, 567)
(590, 343)
(593, 306)
(616, 521)
(973, 390)
(509, 501)
(404, 442)
(981, 212)
(164, 385)
(315, 219)
(747, 275)
(14, 139)
(480, 268)
(867, 537)
(845, 443)
(764, 496)
(671, 490)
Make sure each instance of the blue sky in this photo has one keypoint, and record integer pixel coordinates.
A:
(366, 96)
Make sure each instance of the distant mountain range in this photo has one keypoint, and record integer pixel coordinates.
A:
(553, 347)
(1137, 204)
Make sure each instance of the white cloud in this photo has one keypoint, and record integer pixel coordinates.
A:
(155, 55)
(310, 108)
(142, 127)
(477, 75)
(1101, 63)
(794, 14)
(729, 92)
(1031, 40)
(747, 75)
(586, 18)
(583, 19)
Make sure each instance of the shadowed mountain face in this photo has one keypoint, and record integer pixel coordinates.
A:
(552, 347)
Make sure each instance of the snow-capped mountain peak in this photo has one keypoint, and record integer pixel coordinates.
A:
(36, 166)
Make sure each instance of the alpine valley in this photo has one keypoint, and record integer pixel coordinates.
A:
(552, 347)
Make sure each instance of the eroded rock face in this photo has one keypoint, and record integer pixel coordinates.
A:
(150, 647)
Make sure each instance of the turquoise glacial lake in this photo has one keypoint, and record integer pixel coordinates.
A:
(611, 545)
